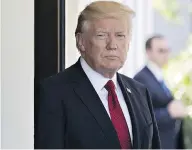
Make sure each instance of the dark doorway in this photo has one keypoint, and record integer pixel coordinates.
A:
(49, 42)
(49, 37)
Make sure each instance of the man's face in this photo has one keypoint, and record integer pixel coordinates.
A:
(159, 52)
(105, 44)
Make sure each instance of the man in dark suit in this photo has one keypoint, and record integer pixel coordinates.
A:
(167, 110)
(90, 105)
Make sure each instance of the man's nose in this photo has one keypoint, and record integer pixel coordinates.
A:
(111, 43)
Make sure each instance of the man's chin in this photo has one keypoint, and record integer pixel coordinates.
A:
(112, 68)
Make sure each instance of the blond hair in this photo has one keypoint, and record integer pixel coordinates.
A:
(103, 9)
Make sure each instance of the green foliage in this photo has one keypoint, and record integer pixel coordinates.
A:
(179, 77)
(188, 132)
(169, 9)
(179, 70)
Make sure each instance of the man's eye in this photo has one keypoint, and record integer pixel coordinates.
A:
(100, 35)
(121, 35)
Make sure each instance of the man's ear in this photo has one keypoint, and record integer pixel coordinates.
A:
(79, 42)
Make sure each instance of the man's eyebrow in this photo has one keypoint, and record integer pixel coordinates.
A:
(120, 32)
(101, 31)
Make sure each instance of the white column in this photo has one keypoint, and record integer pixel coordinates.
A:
(71, 11)
(142, 28)
(150, 18)
(141, 24)
(129, 66)
(0, 72)
(17, 64)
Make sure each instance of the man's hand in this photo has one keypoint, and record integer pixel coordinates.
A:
(176, 109)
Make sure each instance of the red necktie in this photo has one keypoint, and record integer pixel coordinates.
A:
(117, 117)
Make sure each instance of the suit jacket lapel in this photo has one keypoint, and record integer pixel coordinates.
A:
(156, 82)
(152, 76)
(129, 98)
(89, 97)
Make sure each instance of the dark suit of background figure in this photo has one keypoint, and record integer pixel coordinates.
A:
(169, 134)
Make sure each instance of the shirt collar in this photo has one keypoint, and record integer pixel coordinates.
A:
(156, 70)
(98, 81)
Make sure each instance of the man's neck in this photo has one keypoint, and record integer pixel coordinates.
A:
(155, 69)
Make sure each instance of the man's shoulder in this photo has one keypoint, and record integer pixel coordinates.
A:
(141, 72)
(136, 87)
(61, 78)
(132, 83)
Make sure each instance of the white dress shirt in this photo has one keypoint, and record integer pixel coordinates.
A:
(98, 81)
(156, 70)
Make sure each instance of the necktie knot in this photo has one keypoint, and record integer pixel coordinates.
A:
(110, 86)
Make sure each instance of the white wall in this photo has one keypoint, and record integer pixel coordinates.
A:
(177, 34)
(17, 64)
(142, 28)
(0, 72)
(71, 51)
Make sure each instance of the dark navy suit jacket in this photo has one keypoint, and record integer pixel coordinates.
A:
(166, 125)
(71, 114)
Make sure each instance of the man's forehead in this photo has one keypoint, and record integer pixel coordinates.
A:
(159, 42)
(106, 27)
(109, 30)
(105, 21)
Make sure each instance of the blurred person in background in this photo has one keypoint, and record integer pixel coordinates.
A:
(168, 111)
(90, 105)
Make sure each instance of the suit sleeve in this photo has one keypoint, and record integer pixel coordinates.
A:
(156, 139)
(50, 128)
(161, 114)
